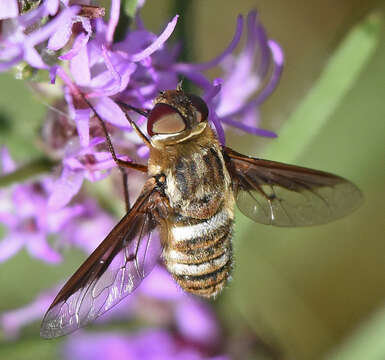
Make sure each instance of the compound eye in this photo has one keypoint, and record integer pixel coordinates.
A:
(164, 119)
(200, 107)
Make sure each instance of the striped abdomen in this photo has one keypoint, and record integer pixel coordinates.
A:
(199, 253)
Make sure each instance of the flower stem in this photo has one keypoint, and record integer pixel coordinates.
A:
(32, 169)
(184, 33)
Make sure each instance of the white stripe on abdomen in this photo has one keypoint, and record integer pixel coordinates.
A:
(199, 269)
(189, 232)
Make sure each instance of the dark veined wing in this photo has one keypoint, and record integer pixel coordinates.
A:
(112, 271)
(277, 194)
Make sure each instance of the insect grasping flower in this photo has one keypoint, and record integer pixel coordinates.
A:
(133, 71)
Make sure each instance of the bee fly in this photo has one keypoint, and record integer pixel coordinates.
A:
(185, 212)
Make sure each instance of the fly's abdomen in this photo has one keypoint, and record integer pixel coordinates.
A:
(199, 253)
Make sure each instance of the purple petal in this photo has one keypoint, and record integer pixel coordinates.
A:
(9, 246)
(259, 37)
(57, 220)
(61, 36)
(12, 321)
(8, 9)
(73, 163)
(143, 151)
(25, 201)
(218, 126)
(209, 95)
(80, 69)
(115, 79)
(110, 111)
(32, 57)
(52, 6)
(80, 41)
(96, 175)
(249, 129)
(82, 119)
(10, 56)
(277, 52)
(276, 75)
(158, 43)
(67, 80)
(160, 285)
(140, 3)
(66, 187)
(107, 346)
(134, 42)
(114, 19)
(251, 116)
(7, 164)
(213, 90)
(38, 247)
(150, 344)
(31, 17)
(53, 73)
(196, 322)
(104, 161)
(88, 232)
(195, 76)
(219, 58)
(45, 32)
(6, 218)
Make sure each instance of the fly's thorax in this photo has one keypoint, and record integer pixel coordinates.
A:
(197, 180)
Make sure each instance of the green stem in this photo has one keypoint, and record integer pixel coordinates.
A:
(34, 168)
(184, 32)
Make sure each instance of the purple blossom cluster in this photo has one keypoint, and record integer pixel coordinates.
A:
(74, 45)
(159, 305)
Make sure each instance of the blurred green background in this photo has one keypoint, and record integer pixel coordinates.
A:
(314, 293)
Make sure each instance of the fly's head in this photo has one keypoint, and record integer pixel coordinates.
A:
(176, 117)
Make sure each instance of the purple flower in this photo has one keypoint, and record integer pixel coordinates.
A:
(27, 219)
(101, 71)
(8, 9)
(13, 321)
(257, 69)
(158, 301)
(88, 228)
(78, 164)
(145, 345)
(245, 75)
(134, 71)
(18, 44)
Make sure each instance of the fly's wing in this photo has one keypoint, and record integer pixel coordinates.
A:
(111, 272)
(277, 194)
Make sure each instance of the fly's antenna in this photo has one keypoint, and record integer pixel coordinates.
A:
(143, 112)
